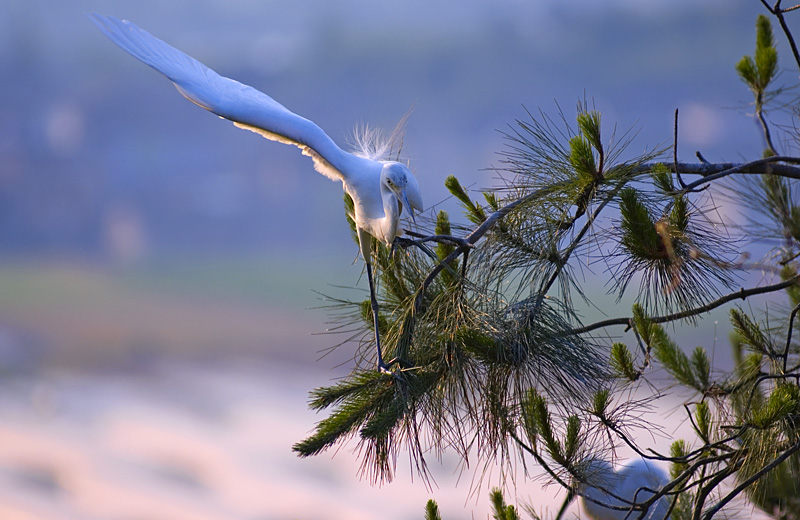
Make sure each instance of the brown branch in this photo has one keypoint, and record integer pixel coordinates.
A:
(709, 172)
(750, 481)
(711, 486)
(785, 355)
(777, 11)
(712, 172)
(763, 120)
(742, 294)
(675, 153)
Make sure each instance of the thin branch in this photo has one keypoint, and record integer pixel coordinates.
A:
(789, 336)
(764, 125)
(712, 172)
(777, 11)
(675, 153)
(539, 460)
(721, 444)
(707, 169)
(750, 481)
(741, 294)
(441, 239)
(711, 486)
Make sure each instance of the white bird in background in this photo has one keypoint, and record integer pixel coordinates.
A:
(380, 189)
(633, 481)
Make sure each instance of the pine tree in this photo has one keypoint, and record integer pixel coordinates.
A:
(485, 329)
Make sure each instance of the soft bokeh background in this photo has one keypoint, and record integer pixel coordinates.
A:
(160, 270)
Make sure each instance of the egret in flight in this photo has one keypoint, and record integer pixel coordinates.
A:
(635, 481)
(380, 189)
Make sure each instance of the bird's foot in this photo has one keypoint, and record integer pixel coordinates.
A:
(405, 243)
(401, 363)
(384, 369)
(419, 238)
(394, 368)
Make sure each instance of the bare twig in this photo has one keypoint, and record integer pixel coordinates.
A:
(789, 336)
(675, 153)
(777, 11)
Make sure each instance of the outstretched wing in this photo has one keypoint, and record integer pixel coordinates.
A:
(247, 107)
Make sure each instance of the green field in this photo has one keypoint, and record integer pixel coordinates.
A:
(80, 313)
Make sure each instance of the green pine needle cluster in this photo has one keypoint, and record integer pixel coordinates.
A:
(693, 372)
(582, 159)
(668, 245)
(601, 402)
(759, 70)
(622, 362)
(702, 421)
(640, 236)
(539, 429)
(500, 510)
(781, 203)
(450, 342)
(564, 175)
(474, 212)
(684, 502)
(750, 333)
(772, 428)
(432, 510)
(662, 179)
(769, 408)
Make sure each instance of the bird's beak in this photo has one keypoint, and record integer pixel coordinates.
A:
(408, 206)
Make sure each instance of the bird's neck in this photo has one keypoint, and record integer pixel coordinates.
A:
(391, 204)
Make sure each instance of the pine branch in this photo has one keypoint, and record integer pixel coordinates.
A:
(708, 171)
(471, 239)
(750, 481)
(785, 354)
(777, 11)
(741, 294)
(713, 171)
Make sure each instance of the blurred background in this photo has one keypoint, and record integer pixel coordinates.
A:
(161, 321)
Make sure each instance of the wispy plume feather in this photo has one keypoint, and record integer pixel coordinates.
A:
(372, 143)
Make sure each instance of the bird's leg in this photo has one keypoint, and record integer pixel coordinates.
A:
(374, 303)
(570, 497)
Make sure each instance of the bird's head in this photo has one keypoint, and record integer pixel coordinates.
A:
(398, 178)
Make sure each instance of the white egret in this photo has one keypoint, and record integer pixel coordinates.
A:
(380, 189)
(632, 482)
